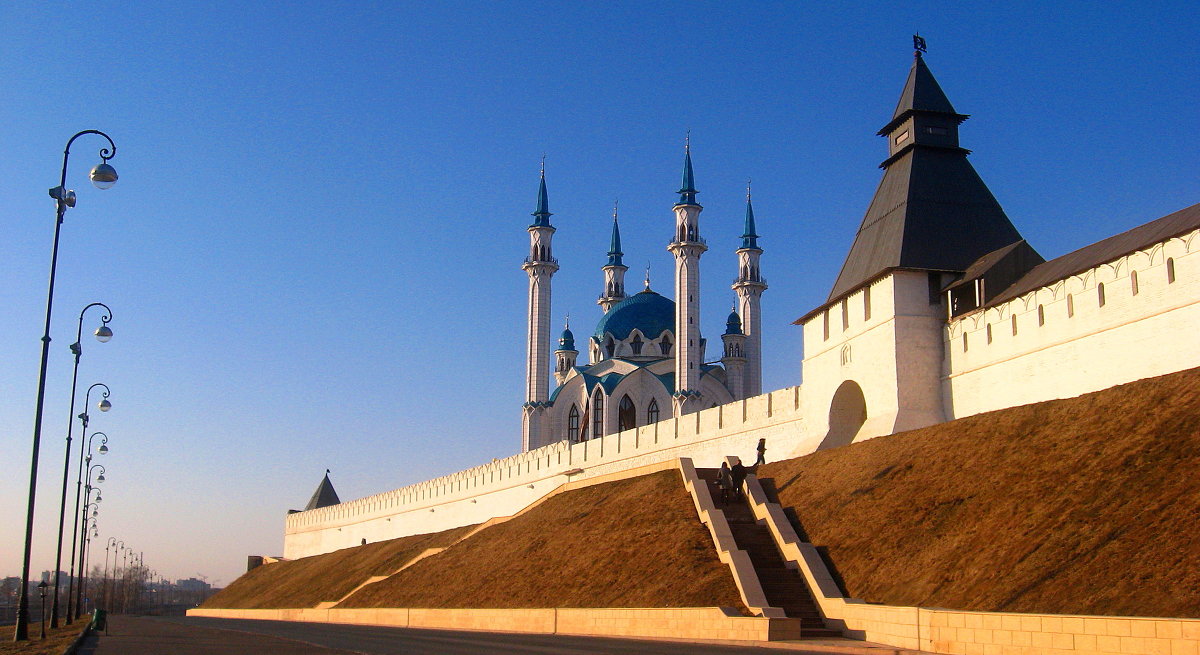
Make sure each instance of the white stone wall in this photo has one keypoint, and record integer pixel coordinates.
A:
(1066, 344)
(894, 356)
(504, 487)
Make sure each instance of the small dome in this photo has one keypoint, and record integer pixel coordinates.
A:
(647, 311)
(567, 340)
(733, 324)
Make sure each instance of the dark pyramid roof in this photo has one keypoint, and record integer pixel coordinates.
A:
(921, 93)
(931, 210)
(324, 496)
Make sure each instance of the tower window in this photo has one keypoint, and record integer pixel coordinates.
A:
(1100, 293)
(1170, 270)
(902, 137)
(1070, 305)
(934, 129)
(626, 414)
(652, 411)
(1133, 282)
(1014, 324)
(825, 323)
(964, 342)
(598, 414)
(867, 304)
(1041, 316)
(573, 423)
(989, 333)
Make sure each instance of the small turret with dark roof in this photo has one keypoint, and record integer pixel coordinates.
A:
(324, 496)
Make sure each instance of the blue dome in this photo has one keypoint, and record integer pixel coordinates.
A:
(733, 324)
(647, 311)
(567, 340)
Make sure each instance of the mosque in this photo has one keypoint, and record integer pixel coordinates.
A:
(644, 343)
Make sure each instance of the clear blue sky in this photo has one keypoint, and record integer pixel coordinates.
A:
(313, 250)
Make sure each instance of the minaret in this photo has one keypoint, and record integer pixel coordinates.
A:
(734, 357)
(614, 270)
(565, 356)
(749, 287)
(540, 265)
(687, 246)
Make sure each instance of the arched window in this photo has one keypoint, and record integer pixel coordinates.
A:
(573, 423)
(636, 344)
(626, 414)
(610, 346)
(652, 411)
(598, 414)
(1170, 270)
(665, 345)
(583, 425)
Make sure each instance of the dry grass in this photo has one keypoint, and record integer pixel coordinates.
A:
(311, 580)
(1087, 505)
(632, 543)
(56, 641)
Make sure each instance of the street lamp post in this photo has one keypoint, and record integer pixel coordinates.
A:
(111, 542)
(88, 502)
(103, 176)
(103, 334)
(84, 463)
(42, 593)
(87, 550)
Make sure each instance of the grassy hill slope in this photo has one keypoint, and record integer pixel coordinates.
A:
(1088, 505)
(632, 543)
(320, 578)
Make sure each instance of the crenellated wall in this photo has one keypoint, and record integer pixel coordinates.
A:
(505, 486)
(1064, 340)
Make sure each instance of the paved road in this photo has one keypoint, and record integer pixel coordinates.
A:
(196, 636)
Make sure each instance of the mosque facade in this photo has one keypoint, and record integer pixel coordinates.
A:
(646, 359)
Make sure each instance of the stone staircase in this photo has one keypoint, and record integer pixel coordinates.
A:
(784, 587)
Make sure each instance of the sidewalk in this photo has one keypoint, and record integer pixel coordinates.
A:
(149, 636)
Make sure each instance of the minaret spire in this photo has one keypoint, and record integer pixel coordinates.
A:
(541, 215)
(541, 266)
(749, 286)
(687, 246)
(614, 270)
(687, 190)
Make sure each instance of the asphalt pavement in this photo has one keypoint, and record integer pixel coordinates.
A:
(130, 635)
